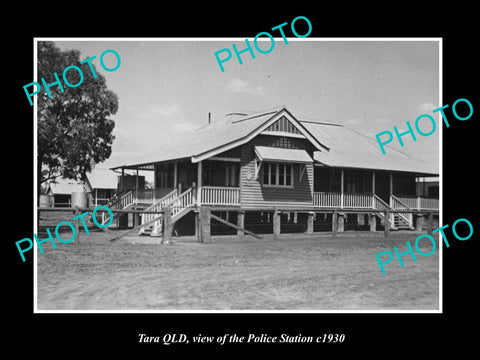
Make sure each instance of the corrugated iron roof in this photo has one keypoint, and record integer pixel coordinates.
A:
(102, 178)
(347, 148)
(220, 132)
(63, 186)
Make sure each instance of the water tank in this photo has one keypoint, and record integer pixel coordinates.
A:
(79, 199)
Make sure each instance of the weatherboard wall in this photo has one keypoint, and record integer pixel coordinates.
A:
(255, 195)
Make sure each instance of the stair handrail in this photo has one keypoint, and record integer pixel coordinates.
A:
(386, 206)
(122, 200)
(114, 198)
(400, 202)
(382, 202)
(117, 199)
(408, 216)
(180, 204)
(172, 200)
(158, 205)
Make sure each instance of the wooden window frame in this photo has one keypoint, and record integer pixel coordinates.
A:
(275, 167)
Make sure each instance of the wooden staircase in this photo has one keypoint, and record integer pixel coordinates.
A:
(120, 201)
(403, 220)
(124, 201)
(180, 205)
(398, 221)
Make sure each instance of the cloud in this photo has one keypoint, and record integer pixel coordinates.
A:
(242, 86)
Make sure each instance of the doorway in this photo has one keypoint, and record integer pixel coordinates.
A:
(382, 186)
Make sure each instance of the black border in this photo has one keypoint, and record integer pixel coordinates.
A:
(112, 333)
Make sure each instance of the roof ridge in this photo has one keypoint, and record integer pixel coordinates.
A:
(260, 113)
(224, 118)
(313, 121)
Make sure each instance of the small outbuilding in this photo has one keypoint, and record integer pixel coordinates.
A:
(101, 184)
(61, 190)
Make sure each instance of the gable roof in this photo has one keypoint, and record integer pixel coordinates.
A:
(102, 178)
(63, 186)
(221, 135)
(337, 145)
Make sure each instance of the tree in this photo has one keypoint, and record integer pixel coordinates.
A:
(74, 127)
(149, 185)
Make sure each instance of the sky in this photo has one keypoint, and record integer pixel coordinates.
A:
(167, 87)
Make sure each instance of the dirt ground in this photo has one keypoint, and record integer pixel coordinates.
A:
(296, 272)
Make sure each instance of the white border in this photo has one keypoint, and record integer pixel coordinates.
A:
(440, 178)
(386, 39)
(35, 179)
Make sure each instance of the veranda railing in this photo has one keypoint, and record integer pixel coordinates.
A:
(327, 199)
(159, 205)
(218, 195)
(343, 200)
(418, 202)
(357, 201)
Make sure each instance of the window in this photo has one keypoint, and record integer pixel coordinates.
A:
(285, 143)
(275, 174)
(288, 175)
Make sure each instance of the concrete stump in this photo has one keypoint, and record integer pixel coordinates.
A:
(372, 219)
(340, 222)
(241, 221)
(310, 219)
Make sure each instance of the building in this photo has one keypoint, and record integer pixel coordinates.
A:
(101, 185)
(61, 190)
(260, 161)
